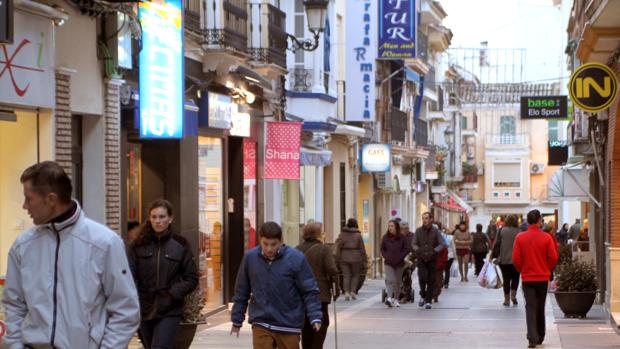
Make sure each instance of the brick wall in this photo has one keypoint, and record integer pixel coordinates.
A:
(112, 149)
(612, 187)
(62, 114)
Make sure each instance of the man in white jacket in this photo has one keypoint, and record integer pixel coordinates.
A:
(68, 283)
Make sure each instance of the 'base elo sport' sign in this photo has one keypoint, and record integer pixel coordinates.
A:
(593, 87)
(544, 107)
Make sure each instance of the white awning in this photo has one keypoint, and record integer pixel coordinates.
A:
(460, 201)
(349, 130)
(570, 184)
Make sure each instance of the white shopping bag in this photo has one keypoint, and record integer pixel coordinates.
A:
(490, 277)
(482, 280)
(454, 270)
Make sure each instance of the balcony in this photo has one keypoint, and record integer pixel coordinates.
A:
(422, 48)
(301, 79)
(192, 16)
(225, 33)
(518, 140)
(431, 13)
(267, 37)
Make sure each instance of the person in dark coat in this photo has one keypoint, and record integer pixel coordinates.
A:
(427, 243)
(351, 257)
(562, 235)
(164, 271)
(324, 268)
(502, 253)
(394, 249)
(480, 248)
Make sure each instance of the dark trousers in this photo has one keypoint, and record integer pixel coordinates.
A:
(535, 293)
(426, 276)
(446, 272)
(315, 340)
(510, 276)
(351, 275)
(479, 260)
(160, 333)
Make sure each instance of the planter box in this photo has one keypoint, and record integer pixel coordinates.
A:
(575, 304)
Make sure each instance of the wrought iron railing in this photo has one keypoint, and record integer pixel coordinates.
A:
(301, 79)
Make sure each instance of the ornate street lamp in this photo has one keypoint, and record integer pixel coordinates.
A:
(316, 12)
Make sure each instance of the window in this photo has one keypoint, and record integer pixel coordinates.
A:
(300, 17)
(507, 175)
(507, 129)
(464, 122)
(553, 130)
(343, 195)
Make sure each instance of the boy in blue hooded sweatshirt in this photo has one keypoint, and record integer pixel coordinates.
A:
(277, 283)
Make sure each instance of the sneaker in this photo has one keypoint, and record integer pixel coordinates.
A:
(353, 295)
(421, 303)
(396, 303)
(389, 302)
(428, 306)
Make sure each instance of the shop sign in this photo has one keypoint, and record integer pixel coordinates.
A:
(593, 87)
(361, 48)
(6, 21)
(376, 158)
(282, 150)
(27, 74)
(547, 107)
(240, 123)
(397, 29)
(366, 221)
(249, 159)
(161, 69)
(558, 153)
(220, 111)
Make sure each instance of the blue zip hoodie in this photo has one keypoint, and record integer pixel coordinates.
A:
(280, 292)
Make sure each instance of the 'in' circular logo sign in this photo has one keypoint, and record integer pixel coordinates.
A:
(593, 87)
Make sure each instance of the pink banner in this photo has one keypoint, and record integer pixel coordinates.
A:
(282, 150)
(249, 159)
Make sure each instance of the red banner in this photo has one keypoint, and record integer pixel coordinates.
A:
(249, 159)
(282, 150)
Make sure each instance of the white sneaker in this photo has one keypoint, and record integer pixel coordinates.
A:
(396, 303)
(389, 302)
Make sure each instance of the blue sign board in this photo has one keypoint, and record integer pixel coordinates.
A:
(397, 29)
(161, 69)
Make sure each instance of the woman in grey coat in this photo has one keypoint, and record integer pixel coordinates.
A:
(351, 257)
(502, 252)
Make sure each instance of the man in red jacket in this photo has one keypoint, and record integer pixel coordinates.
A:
(534, 255)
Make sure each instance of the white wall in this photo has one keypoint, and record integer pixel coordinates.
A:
(87, 82)
(94, 168)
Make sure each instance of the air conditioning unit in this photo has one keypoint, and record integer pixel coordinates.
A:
(384, 180)
(537, 168)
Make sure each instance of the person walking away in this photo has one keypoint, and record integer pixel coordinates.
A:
(491, 232)
(534, 256)
(449, 239)
(441, 260)
(164, 269)
(407, 284)
(480, 248)
(583, 240)
(283, 290)
(562, 235)
(68, 283)
(394, 249)
(427, 243)
(324, 268)
(502, 255)
(351, 257)
(573, 233)
(463, 241)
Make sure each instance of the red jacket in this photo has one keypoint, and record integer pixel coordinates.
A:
(534, 254)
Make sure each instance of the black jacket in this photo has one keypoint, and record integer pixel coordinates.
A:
(165, 272)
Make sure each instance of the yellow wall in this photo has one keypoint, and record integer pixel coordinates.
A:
(365, 192)
(18, 150)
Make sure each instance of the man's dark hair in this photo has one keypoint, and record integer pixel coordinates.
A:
(48, 177)
(427, 213)
(132, 224)
(533, 217)
(352, 223)
(270, 230)
(479, 228)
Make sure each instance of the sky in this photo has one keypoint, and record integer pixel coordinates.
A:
(537, 26)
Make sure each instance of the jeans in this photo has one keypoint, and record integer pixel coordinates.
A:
(393, 280)
(479, 261)
(446, 270)
(159, 333)
(350, 275)
(510, 276)
(535, 293)
(426, 277)
(315, 340)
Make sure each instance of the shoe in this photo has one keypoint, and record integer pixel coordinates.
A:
(466, 280)
(531, 345)
(347, 297)
(445, 286)
(396, 303)
(421, 303)
(435, 300)
(428, 306)
(506, 300)
(540, 342)
(353, 295)
(513, 297)
(389, 302)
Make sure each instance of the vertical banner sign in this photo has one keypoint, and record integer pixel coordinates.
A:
(161, 69)
(282, 150)
(361, 50)
(397, 29)
(366, 221)
(249, 159)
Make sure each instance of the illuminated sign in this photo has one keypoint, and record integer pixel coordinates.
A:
(376, 158)
(397, 29)
(220, 111)
(161, 69)
(240, 123)
(547, 107)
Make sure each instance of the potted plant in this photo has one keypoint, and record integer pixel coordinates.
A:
(576, 287)
(192, 317)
